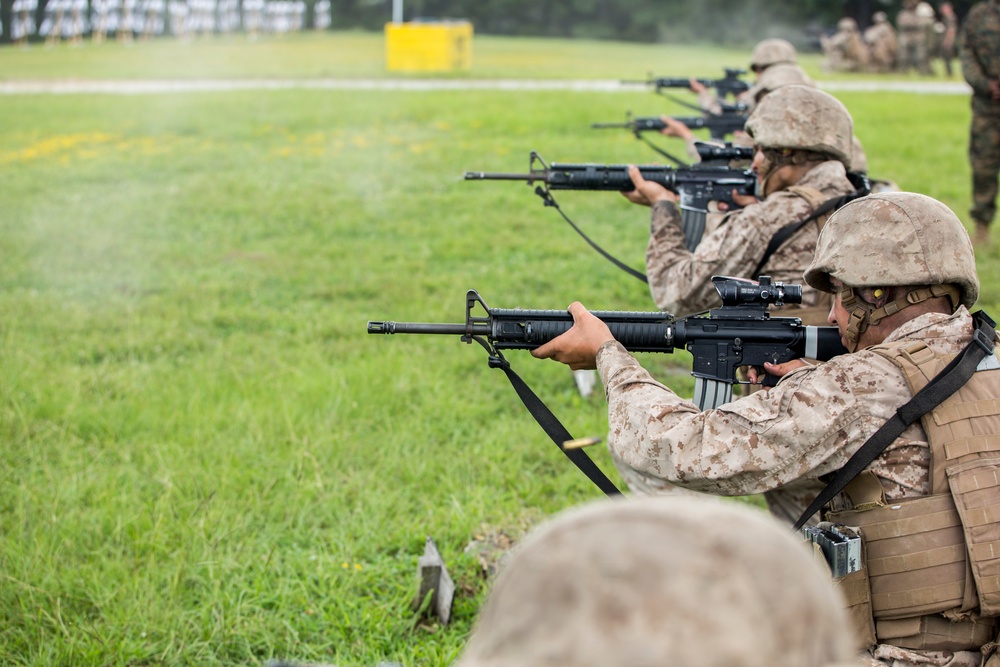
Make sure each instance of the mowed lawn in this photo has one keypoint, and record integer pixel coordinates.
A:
(205, 459)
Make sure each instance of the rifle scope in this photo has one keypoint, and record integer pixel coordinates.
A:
(737, 292)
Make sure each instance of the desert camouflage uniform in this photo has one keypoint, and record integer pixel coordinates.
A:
(948, 47)
(911, 31)
(980, 54)
(681, 281)
(845, 50)
(883, 47)
(809, 425)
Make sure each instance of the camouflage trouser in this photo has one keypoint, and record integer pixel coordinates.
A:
(913, 53)
(984, 158)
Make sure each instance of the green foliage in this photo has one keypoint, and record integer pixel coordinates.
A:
(206, 460)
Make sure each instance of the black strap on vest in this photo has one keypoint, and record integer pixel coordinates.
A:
(858, 180)
(550, 423)
(943, 385)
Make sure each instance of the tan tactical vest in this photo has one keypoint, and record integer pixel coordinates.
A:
(931, 576)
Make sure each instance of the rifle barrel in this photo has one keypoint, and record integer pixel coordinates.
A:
(487, 176)
(376, 327)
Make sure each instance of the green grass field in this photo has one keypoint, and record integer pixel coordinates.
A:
(205, 459)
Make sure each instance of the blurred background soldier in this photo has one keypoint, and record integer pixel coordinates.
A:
(298, 20)
(150, 19)
(322, 19)
(947, 45)
(229, 15)
(911, 31)
(845, 50)
(980, 54)
(23, 22)
(126, 21)
(52, 24)
(883, 47)
(657, 582)
(76, 22)
(765, 55)
(933, 29)
(253, 15)
(177, 11)
(101, 10)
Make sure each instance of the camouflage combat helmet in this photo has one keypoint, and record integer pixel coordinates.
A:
(924, 10)
(771, 52)
(660, 581)
(779, 75)
(848, 24)
(894, 239)
(880, 17)
(803, 118)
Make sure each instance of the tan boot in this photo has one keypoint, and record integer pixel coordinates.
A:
(982, 235)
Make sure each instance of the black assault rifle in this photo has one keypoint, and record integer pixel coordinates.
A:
(696, 186)
(729, 85)
(719, 127)
(739, 333)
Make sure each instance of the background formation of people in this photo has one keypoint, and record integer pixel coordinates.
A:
(920, 36)
(125, 20)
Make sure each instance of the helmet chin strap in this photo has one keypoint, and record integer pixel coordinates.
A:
(775, 159)
(863, 314)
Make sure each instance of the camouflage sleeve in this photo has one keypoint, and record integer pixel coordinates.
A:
(975, 38)
(802, 428)
(709, 102)
(680, 281)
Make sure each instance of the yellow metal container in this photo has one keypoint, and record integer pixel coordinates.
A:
(439, 46)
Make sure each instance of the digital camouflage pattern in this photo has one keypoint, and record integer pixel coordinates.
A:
(911, 33)
(845, 50)
(776, 76)
(980, 56)
(660, 581)
(765, 55)
(773, 51)
(680, 280)
(917, 240)
(785, 504)
(803, 118)
(807, 426)
(883, 47)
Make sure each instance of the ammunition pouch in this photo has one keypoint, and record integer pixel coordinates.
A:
(932, 563)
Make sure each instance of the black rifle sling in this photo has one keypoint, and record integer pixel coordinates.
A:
(551, 201)
(943, 385)
(675, 160)
(557, 432)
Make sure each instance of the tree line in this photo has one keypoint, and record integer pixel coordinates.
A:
(729, 22)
